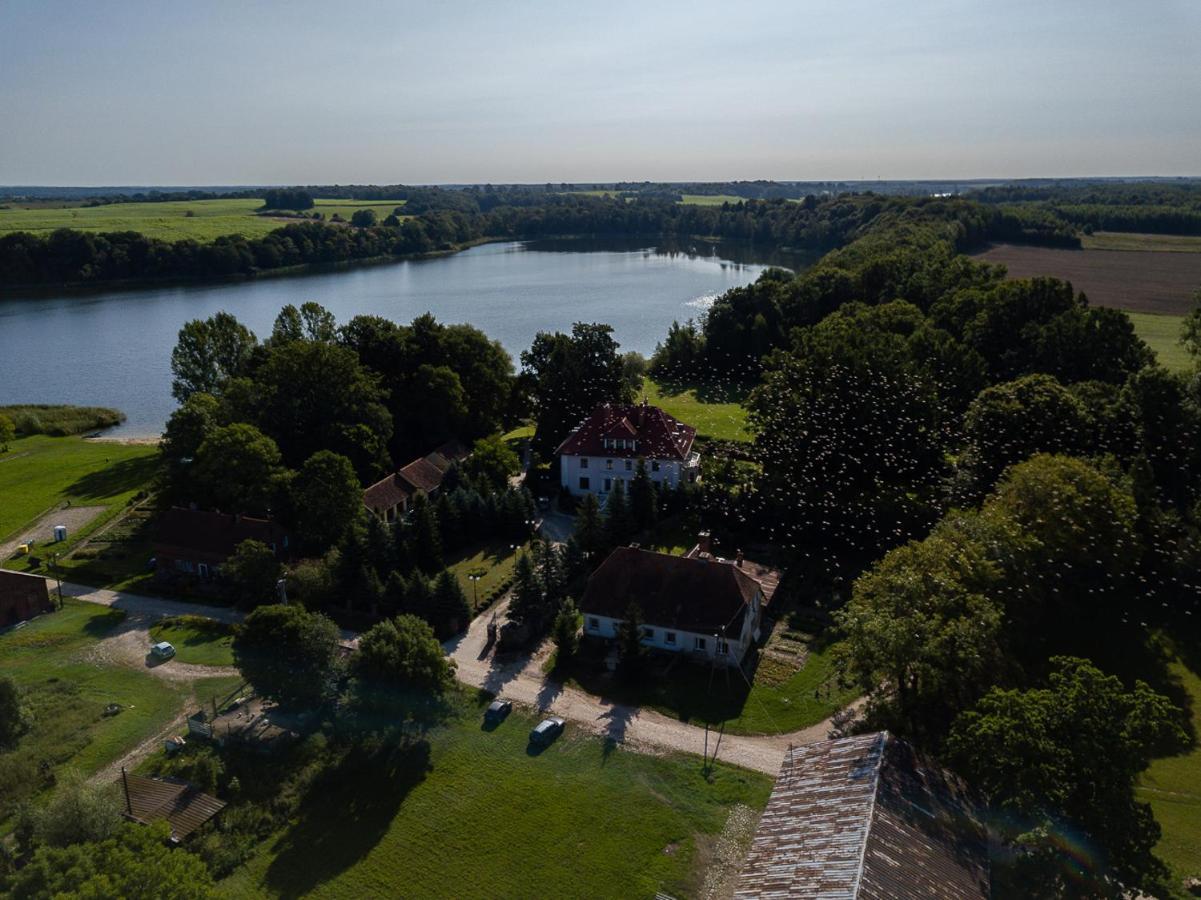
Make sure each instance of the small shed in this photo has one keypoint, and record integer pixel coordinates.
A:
(170, 800)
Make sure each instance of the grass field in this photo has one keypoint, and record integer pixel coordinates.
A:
(1137, 281)
(201, 220)
(40, 473)
(476, 813)
(1173, 788)
(67, 689)
(347, 208)
(1162, 334)
(715, 413)
(1163, 243)
(710, 199)
(196, 640)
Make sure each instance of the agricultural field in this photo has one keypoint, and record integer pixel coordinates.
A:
(347, 208)
(476, 813)
(40, 473)
(1137, 281)
(1163, 243)
(710, 199)
(716, 413)
(200, 220)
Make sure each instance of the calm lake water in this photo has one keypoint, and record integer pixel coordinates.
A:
(114, 348)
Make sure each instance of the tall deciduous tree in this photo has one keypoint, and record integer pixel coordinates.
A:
(288, 654)
(1063, 760)
(208, 353)
(399, 663)
(326, 499)
(570, 375)
(492, 462)
(253, 571)
(237, 468)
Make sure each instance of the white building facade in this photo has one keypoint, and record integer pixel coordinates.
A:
(607, 446)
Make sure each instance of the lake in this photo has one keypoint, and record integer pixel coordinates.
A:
(113, 348)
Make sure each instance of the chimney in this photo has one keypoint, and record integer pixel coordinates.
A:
(704, 543)
(738, 559)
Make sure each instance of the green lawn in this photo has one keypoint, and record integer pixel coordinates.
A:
(41, 472)
(197, 640)
(475, 813)
(1162, 333)
(492, 561)
(67, 689)
(201, 220)
(1118, 240)
(715, 412)
(1173, 788)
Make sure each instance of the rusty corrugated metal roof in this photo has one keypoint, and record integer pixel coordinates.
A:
(865, 816)
(182, 806)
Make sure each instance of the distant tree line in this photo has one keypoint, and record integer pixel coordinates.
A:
(287, 198)
(1154, 207)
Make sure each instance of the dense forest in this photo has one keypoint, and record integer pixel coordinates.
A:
(443, 220)
(1155, 207)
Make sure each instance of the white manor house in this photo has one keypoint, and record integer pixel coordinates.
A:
(607, 445)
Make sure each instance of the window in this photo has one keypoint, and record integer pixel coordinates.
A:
(608, 484)
(698, 643)
(204, 570)
(669, 637)
(608, 464)
(723, 646)
(584, 486)
(629, 465)
(654, 465)
(594, 623)
(583, 462)
(648, 633)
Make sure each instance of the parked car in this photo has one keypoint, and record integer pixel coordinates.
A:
(162, 650)
(546, 731)
(498, 710)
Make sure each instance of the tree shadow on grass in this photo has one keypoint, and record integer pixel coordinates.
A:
(116, 478)
(105, 624)
(346, 814)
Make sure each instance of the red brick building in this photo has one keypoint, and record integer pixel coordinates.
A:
(22, 597)
(195, 542)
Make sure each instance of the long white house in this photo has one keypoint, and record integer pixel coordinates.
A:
(606, 448)
(708, 608)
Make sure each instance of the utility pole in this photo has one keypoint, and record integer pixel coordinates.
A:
(58, 578)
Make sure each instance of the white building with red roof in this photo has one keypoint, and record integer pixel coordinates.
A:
(606, 448)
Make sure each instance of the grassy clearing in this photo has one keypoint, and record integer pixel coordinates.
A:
(117, 556)
(1173, 788)
(41, 472)
(347, 208)
(519, 433)
(196, 640)
(710, 199)
(1119, 240)
(492, 561)
(60, 420)
(475, 813)
(66, 690)
(1162, 334)
(715, 412)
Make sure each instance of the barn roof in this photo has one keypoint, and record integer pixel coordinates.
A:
(866, 816)
(176, 802)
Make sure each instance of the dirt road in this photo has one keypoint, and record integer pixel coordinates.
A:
(522, 681)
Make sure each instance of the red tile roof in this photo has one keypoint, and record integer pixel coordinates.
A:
(866, 816)
(213, 534)
(656, 435)
(692, 594)
(421, 475)
(386, 493)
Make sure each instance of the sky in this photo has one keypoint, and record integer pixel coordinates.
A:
(131, 93)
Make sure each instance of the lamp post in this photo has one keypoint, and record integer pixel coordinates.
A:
(57, 578)
(475, 591)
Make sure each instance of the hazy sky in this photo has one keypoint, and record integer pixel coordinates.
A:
(206, 92)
